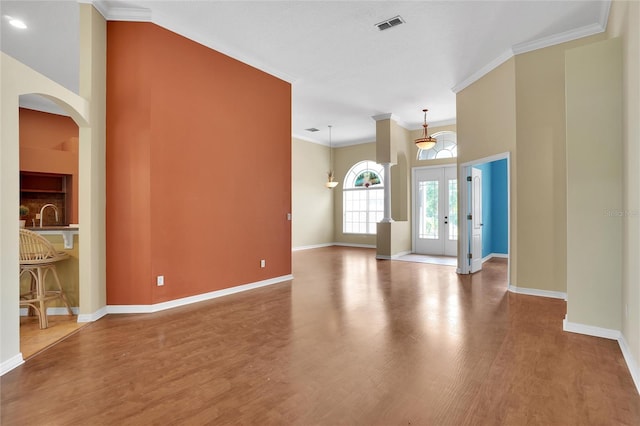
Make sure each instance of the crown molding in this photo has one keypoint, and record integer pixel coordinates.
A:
(145, 15)
(381, 117)
(130, 14)
(504, 57)
(554, 39)
(441, 123)
(540, 43)
(605, 8)
(307, 139)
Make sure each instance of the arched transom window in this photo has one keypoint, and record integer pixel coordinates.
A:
(363, 198)
(445, 147)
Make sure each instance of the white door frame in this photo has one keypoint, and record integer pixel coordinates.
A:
(413, 201)
(464, 170)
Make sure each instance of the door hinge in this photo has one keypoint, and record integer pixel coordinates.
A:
(469, 217)
(468, 178)
(469, 256)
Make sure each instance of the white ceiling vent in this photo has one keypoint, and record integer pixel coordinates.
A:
(392, 22)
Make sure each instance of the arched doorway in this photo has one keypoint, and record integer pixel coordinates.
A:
(17, 80)
(49, 197)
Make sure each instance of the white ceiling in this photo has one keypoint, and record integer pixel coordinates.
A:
(343, 70)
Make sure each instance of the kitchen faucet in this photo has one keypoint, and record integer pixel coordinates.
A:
(55, 209)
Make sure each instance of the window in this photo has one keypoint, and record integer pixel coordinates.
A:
(445, 147)
(363, 198)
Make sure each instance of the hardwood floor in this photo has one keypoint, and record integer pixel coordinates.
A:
(350, 340)
(33, 339)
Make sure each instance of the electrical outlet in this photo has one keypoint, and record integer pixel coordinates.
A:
(263, 263)
(160, 280)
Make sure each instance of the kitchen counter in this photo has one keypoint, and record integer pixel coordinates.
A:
(67, 232)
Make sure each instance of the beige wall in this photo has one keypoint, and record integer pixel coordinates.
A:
(400, 178)
(344, 159)
(624, 22)
(541, 171)
(17, 79)
(312, 203)
(594, 179)
(486, 124)
(92, 170)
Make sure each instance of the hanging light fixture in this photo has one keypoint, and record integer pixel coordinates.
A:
(330, 182)
(426, 141)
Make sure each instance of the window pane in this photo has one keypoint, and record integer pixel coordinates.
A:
(453, 209)
(428, 209)
(363, 200)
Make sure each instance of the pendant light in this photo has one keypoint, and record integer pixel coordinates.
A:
(426, 141)
(330, 182)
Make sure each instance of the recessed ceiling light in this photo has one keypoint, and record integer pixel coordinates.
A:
(15, 22)
(312, 129)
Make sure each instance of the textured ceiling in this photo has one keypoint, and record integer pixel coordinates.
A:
(342, 68)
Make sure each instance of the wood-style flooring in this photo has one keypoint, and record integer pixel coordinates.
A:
(33, 339)
(351, 340)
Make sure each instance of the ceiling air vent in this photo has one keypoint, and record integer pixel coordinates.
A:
(396, 20)
(312, 129)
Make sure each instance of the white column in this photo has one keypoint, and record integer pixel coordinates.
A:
(387, 193)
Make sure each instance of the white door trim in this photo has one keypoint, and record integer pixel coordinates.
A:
(464, 170)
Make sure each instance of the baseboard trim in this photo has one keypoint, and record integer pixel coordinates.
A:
(11, 363)
(632, 364)
(355, 245)
(393, 256)
(146, 309)
(313, 246)
(537, 292)
(590, 330)
(93, 316)
(496, 255)
(608, 333)
(57, 310)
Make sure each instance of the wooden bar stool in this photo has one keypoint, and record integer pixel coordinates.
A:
(38, 258)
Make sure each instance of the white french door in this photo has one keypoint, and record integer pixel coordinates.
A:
(435, 211)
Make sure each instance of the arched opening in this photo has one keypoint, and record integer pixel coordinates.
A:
(49, 163)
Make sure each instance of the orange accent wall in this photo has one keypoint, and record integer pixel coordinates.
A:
(198, 168)
(49, 144)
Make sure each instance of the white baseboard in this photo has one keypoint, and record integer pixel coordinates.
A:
(496, 255)
(393, 256)
(590, 330)
(608, 333)
(313, 246)
(11, 363)
(52, 311)
(93, 316)
(355, 245)
(143, 309)
(537, 292)
(632, 364)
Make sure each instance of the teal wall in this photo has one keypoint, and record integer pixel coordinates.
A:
(495, 209)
